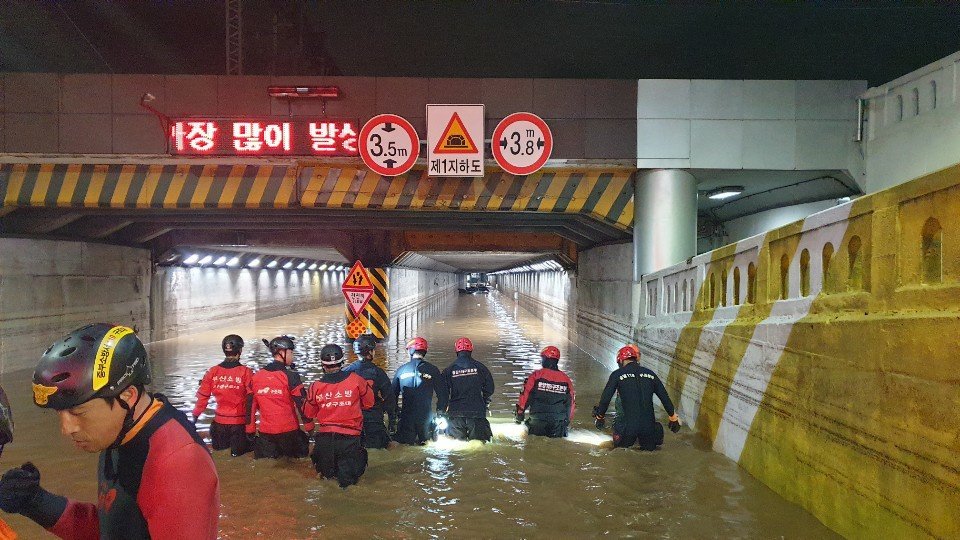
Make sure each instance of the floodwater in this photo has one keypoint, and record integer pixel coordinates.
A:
(516, 486)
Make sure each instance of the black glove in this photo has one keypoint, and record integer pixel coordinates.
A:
(519, 417)
(599, 418)
(19, 487)
(20, 493)
(675, 423)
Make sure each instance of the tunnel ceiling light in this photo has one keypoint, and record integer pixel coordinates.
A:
(234, 261)
(191, 259)
(301, 266)
(288, 265)
(323, 267)
(272, 264)
(725, 192)
(205, 260)
(220, 260)
(254, 263)
(312, 266)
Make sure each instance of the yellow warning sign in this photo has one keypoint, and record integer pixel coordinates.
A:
(455, 139)
(355, 328)
(358, 278)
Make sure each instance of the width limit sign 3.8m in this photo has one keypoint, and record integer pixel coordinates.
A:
(521, 143)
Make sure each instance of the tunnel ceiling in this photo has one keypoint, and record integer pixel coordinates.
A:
(476, 261)
(765, 190)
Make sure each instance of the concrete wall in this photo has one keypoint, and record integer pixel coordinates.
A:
(49, 288)
(779, 125)
(818, 356)
(594, 304)
(186, 300)
(411, 288)
(912, 124)
(100, 114)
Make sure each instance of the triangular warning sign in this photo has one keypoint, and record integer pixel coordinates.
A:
(357, 299)
(455, 139)
(358, 278)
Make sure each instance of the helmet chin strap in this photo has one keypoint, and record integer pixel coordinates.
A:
(128, 420)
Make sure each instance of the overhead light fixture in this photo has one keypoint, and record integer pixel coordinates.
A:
(299, 92)
(254, 263)
(220, 260)
(725, 192)
(272, 264)
(234, 261)
(191, 259)
(323, 266)
(301, 266)
(205, 260)
(288, 265)
(312, 266)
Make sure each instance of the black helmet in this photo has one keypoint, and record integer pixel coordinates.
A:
(98, 360)
(331, 354)
(232, 345)
(6, 420)
(366, 343)
(279, 343)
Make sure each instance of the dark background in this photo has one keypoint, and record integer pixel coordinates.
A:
(876, 41)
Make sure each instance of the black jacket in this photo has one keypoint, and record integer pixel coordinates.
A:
(636, 386)
(469, 387)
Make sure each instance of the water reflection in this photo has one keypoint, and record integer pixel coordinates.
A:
(515, 486)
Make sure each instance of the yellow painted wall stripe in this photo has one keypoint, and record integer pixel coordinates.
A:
(259, 187)
(42, 185)
(203, 186)
(69, 186)
(97, 179)
(583, 191)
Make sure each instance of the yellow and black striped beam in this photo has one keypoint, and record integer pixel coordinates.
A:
(604, 195)
(375, 317)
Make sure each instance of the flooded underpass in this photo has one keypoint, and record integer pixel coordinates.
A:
(513, 487)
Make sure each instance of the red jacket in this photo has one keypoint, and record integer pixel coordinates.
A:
(337, 402)
(548, 391)
(229, 382)
(277, 396)
(160, 483)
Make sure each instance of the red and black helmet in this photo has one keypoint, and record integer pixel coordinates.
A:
(464, 344)
(550, 352)
(627, 352)
(97, 361)
(417, 344)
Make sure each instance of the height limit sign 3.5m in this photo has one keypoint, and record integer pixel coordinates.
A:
(389, 145)
(521, 143)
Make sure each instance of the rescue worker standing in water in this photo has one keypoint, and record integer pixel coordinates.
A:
(468, 387)
(229, 382)
(375, 434)
(278, 396)
(337, 402)
(156, 477)
(414, 384)
(636, 387)
(549, 394)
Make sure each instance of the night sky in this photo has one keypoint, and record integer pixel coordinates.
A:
(876, 41)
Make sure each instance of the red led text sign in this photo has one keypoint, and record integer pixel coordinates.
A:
(263, 137)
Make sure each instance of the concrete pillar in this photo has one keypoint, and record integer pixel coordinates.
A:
(664, 220)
